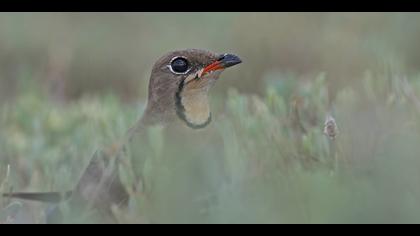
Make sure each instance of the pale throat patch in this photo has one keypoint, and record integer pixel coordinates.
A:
(196, 104)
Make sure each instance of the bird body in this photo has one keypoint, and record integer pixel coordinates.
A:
(178, 92)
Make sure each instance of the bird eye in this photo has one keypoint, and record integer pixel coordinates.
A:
(179, 65)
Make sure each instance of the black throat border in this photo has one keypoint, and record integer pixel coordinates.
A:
(180, 109)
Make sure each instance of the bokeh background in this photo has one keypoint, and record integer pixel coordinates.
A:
(70, 82)
(70, 55)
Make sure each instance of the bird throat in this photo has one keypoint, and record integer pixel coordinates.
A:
(192, 106)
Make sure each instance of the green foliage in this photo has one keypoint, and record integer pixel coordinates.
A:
(263, 159)
(252, 165)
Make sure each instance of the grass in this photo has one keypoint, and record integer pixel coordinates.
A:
(264, 159)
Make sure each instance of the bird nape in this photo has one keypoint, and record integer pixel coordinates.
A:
(178, 91)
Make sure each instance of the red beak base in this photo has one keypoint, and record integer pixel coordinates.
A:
(212, 67)
(223, 62)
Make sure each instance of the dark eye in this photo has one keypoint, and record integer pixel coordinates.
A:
(179, 65)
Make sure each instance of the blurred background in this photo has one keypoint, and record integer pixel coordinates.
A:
(72, 82)
(69, 55)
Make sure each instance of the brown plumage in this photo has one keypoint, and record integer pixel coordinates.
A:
(178, 92)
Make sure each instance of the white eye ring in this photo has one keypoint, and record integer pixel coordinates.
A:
(178, 73)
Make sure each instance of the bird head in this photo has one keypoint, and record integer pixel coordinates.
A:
(179, 85)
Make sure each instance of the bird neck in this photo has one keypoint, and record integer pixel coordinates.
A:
(192, 106)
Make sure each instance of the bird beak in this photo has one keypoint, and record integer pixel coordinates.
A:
(223, 62)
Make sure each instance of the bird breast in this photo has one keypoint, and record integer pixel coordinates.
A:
(196, 106)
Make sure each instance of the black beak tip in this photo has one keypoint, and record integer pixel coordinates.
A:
(228, 60)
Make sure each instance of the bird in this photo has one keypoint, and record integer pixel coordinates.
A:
(178, 92)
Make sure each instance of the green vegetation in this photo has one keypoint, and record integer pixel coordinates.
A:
(265, 157)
